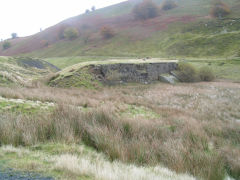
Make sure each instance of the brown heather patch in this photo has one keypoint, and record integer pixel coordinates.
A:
(196, 130)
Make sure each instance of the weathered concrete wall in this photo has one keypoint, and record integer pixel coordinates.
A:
(141, 73)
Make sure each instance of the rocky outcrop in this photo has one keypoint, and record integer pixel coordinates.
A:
(125, 73)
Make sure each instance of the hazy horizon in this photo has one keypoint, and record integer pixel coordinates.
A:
(27, 17)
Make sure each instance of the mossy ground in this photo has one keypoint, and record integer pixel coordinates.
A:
(139, 111)
(24, 106)
(76, 78)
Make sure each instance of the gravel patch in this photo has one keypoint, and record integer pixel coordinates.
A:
(13, 175)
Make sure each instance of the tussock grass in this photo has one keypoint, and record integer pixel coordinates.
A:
(194, 128)
(187, 72)
(65, 161)
(206, 74)
(102, 169)
(12, 149)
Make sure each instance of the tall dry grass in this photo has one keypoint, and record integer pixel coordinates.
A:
(197, 129)
(183, 150)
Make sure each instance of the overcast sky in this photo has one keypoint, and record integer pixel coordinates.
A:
(26, 17)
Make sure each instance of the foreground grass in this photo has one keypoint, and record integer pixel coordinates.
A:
(66, 161)
(186, 127)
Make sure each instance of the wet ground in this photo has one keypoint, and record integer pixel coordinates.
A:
(13, 175)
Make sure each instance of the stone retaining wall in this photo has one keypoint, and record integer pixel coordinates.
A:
(123, 73)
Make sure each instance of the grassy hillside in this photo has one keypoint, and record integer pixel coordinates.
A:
(22, 71)
(186, 31)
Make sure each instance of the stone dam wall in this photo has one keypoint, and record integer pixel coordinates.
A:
(126, 73)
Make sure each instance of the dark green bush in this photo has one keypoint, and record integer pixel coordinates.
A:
(232, 165)
(219, 9)
(71, 33)
(14, 35)
(6, 45)
(93, 8)
(168, 4)
(107, 32)
(146, 10)
(206, 74)
(187, 72)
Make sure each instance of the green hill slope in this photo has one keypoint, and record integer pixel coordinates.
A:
(22, 71)
(186, 31)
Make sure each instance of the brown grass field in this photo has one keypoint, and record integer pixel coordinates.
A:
(189, 128)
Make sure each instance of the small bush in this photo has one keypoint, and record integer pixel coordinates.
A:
(60, 31)
(232, 164)
(168, 4)
(107, 32)
(187, 73)
(71, 33)
(220, 9)
(146, 10)
(14, 35)
(206, 74)
(44, 43)
(6, 45)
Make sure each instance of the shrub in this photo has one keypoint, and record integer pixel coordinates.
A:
(107, 32)
(187, 73)
(6, 45)
(86, 38)
(44, 43)
(71, 33)
(146, 10)
(14, 35)
(60, 31)
(232, 164)
(168, 4)
(220, 9)
(206, 74)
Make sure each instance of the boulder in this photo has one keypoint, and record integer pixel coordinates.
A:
(167, 78)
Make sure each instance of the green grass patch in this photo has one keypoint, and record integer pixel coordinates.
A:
(19, 71)
(222, 69)
(140, 111)
(63, 62)
(76, 78)
(24, 106)
(39, 159)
